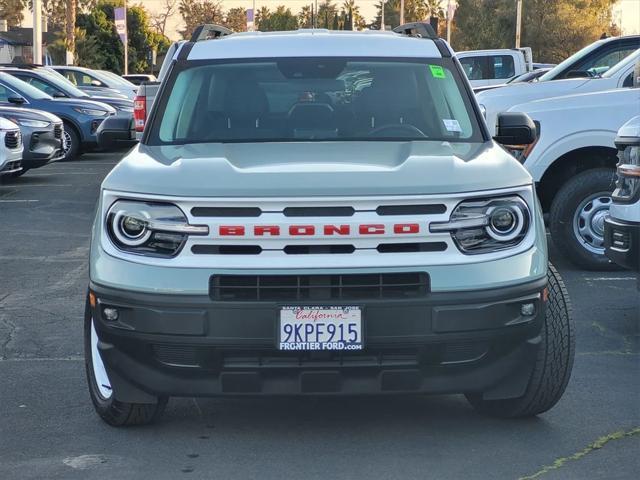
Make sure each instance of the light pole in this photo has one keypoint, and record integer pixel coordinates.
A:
(401, 12)
(382, 17)
(37, 32)
(518, 22)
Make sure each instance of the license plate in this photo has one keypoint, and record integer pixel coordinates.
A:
(320, 328)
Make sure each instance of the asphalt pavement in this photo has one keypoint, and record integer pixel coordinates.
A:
(48, 429)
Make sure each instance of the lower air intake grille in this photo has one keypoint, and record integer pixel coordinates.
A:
(12, 140)
(229, 288)
(57, 130)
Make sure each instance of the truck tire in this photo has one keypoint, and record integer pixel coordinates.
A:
(553, 365)
(112, 411)
(576, 219)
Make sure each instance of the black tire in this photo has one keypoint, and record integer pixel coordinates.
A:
(554, 361)
(112, 411)
(563, 210)
(73, 141)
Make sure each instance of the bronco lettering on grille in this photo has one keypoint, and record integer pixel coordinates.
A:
(321, 230)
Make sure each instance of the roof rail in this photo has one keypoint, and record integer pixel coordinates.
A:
(209, 31)
(417, 29)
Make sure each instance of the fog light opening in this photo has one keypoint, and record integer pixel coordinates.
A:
(110, 314)
(527, 309)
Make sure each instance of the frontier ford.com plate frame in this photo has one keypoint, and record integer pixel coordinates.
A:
(320, 328)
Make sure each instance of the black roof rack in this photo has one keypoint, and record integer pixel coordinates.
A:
(209, 31)
(417, 29)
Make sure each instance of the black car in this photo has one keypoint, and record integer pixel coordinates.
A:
(57, 86)
(42, 136)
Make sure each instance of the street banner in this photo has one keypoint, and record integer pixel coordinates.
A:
(250, 21)
(121, 23)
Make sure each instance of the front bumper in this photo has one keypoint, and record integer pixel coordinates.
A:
(41, 147)
(443, 342)
(622, 242)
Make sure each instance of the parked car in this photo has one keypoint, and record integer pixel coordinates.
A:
(532, 76)
(293, 237)
(81, 117)
(493, 67)
(59, 87)
(85, 77)
(622, 226)
(10, 148)
(42, 136)
(501, 99)
(595, 58)
(138, 78)
(573, 164)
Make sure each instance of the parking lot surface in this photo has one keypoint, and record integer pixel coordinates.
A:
(48, 428)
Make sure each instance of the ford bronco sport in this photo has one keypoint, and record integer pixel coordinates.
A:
(322, 213)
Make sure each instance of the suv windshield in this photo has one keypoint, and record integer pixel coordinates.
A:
(315, 99)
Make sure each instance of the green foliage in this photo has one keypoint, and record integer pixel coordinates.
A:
(414, 11)
(280, 20)
(98, 44)
(236, 19)
(554, 29)
(12, 11)
(197, 12)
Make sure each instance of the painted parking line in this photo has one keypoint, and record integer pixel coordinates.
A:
(44, 185)
(607, 279)
(18, 201)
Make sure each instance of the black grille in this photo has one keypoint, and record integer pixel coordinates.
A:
(12, 140)
(290, 288)
(621, 239)
(226, 212)
(12, 166)
(57, 131)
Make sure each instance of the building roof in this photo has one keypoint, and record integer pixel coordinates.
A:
(24, 36)
(314, 43)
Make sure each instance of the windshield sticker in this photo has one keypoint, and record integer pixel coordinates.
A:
(452, 125)
(437, 71)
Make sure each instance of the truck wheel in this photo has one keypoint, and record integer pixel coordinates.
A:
(71, 146)
(553, 365)
(577, 216)
(112, 411)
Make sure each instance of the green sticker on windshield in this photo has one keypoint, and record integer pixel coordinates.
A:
(437, 71)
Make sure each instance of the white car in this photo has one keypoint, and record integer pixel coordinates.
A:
(494, 67)
(573, 164)
(10, 147)
(492, 102)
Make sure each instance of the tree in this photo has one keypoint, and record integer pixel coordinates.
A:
(305, 19)
(197, 12)
(262, 15)
(327, 12)
(553, 29)
(12, 11)
(70, 25)
(159, 20)
(236, 19)
(352, 19)
(414, 11)
(280, 20)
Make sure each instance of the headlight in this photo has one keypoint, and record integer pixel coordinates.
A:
(628, 184)
(146, 228)
(91, 112)
(33, 123)
(488, 225)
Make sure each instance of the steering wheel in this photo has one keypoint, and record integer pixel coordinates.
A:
(397, 130)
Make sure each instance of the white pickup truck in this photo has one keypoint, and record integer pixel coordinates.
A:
(493, 67)
(573, 164)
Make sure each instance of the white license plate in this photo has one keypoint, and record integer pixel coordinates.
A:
(320, 328)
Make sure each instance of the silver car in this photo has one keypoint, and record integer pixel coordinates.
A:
(10, 148)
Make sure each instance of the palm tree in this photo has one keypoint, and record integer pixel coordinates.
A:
(70, 25)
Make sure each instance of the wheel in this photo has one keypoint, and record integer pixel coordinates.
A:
(112, 411)
(577, 216)
(553, 365)
(71, 145)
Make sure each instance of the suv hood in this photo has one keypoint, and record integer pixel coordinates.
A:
(315, 169)
(82, 103)
(27, 113)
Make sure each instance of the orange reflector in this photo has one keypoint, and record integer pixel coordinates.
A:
(92, 299)
(545, 295)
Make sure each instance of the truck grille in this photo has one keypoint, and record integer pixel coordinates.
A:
(229, 288)
(12, 139)
(57, 130)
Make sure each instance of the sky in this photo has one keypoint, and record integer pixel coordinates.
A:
(625, 12)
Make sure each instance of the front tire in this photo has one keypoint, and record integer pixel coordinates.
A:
(112, 411)
(553, 365)
(72, 143)
(577, 215)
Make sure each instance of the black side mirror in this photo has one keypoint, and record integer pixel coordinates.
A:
(16, 100)
(578, 74)
(116, 132)
(58, 94)
(515, 128)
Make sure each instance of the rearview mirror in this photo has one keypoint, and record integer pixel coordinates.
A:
(116, 133)
(515, 128)
(16, 100)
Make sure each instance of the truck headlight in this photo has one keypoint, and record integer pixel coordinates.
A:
(487, 225)
(628, 183)
(149, 228)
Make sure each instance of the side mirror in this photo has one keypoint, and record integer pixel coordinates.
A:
(636, 75)
(116, 133)
(16, 100)
(578, 74)
(58, 94)
(515, 128)
(96, 83)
